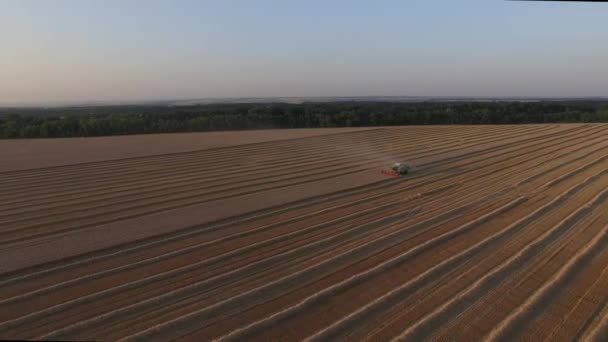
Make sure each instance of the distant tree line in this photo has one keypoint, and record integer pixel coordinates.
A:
(120, 120)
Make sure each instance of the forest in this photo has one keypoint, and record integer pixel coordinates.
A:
(121, 120)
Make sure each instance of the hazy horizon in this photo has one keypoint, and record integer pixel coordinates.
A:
(291, 100)
(70, 52)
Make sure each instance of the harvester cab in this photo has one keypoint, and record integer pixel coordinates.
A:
(398, 169)
(401, 168)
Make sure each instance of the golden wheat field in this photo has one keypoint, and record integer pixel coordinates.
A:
(499, 233)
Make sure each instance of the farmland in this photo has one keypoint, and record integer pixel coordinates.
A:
(500, 232)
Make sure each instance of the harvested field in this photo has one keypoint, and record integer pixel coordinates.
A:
(500, 232)
(35, 153)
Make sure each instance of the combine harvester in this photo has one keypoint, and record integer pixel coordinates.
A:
(398, 170)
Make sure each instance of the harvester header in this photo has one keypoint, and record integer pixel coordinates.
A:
(398, 169)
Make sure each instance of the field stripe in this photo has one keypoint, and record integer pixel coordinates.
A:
(524, 314)
(389, 298)
(273, 287)
(425, 327)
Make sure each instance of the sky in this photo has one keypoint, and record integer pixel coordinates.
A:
(74, 51)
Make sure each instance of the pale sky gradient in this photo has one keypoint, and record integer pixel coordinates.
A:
(129, 50)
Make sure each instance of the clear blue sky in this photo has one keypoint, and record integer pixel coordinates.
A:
(72, 51)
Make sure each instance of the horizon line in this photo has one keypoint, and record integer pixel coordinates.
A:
(170, 102)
